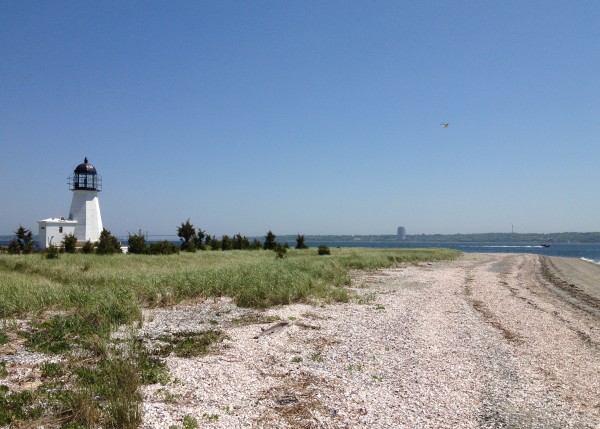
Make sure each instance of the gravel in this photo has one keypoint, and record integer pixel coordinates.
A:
(480, 342)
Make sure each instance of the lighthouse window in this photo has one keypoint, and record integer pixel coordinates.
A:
(60, 229)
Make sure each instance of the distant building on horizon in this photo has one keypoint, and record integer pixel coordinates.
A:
(401, 233)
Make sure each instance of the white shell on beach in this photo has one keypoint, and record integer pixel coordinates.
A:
(459, 344)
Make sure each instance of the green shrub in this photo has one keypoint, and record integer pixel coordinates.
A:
(324, 250)
(137, 243)
(88, 247)
(70, 243)
(189, 246)
(52, 252)
(190, 422)
(13, 247)
(164, 247)
(280, 250)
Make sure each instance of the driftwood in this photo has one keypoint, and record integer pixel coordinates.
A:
(273, 329)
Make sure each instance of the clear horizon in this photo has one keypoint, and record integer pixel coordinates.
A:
(154, 236)
(307, 117)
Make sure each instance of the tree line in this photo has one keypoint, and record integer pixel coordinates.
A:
(192, 240)
(196, 239)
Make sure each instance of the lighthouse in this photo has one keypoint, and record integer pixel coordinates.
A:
(84, 220)
(85, 207)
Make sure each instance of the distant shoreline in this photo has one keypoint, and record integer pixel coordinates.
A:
(490, 237)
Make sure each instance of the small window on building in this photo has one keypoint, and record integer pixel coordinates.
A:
(43, 227)
(60, 229)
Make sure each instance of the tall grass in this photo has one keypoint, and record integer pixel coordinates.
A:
(113, 288)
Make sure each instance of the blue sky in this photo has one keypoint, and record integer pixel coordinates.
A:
(312, 117)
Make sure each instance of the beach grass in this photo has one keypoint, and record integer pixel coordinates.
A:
(72, 304)
(115, 288)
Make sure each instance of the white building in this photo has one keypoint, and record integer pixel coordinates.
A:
(401, 233)
(84, 220)
(52, 231)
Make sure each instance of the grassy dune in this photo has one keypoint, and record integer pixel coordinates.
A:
(74, 302)
(118, 285)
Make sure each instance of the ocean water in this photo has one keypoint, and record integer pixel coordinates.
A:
(589, 252)
(586, 251)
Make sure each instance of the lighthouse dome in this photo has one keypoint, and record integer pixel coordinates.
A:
(85, 178)
(85, 168)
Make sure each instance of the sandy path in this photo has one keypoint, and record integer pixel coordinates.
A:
(481, 342)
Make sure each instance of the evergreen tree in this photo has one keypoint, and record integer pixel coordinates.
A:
(300, 242)
(226, 243)
(187, 233)
(201, 239)
(269, 241)
(107, 244)
(240, 242)
(215, 244)
(23, 242)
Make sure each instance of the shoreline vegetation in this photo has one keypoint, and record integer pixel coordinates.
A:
(65, 310)
(492, 237)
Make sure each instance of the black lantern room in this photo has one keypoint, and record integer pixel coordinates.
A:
(85, 178)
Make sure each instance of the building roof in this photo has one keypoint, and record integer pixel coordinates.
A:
(60, 220)
(85, 168)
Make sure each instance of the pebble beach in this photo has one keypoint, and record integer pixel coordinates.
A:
(484, 341)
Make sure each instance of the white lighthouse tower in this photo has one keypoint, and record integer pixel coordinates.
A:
(85, 208)
(84, 219)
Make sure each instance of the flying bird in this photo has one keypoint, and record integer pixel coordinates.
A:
(445, 124)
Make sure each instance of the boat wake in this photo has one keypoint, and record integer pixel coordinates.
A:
(513, 247)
